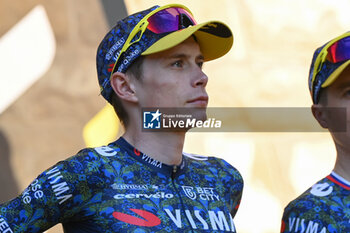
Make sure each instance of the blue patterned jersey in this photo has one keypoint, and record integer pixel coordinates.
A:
(117, 188)
(324, 208)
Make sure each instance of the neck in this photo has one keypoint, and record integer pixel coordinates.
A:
(165, 147)
(342, 164)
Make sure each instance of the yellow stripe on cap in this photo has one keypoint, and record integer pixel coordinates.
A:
(335, 74)
(211, 46)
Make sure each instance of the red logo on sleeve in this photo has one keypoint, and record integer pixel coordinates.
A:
(283, 226)
(148, 219)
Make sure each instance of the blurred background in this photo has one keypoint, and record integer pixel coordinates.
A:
(50, 106)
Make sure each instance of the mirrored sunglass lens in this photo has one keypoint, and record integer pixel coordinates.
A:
(163, 21)
(183, 11)
(167, 20)
(339, 51)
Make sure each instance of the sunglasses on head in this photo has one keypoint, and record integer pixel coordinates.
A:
(164, 19)
(337, 50)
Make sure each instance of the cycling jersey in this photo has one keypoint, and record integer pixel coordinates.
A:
(323, 208)
(117, 188)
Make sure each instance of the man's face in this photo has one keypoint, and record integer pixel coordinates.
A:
(338, 95)
(173, 78)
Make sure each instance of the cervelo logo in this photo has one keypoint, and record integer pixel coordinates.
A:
(158, 195)
(299, 225)
(206, 194)
(217, 219)
(148, 219)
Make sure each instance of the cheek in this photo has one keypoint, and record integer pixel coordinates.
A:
(338, 119)
(166, 88)
(166, 82)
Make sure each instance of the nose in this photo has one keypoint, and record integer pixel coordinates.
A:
(200, 80)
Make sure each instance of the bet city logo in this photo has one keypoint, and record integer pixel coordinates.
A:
(203, 193)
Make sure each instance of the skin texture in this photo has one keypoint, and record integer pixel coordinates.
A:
(171, 78)
(337, 95)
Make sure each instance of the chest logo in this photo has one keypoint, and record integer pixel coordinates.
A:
(147, 218)
(321, 190)
(189, 191)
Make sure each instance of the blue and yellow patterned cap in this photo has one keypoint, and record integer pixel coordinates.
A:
(326, 71)
(214, 38)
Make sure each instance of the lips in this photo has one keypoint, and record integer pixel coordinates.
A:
(201, 100)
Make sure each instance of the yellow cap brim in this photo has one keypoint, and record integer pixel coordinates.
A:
(212, 41)
(335, 74)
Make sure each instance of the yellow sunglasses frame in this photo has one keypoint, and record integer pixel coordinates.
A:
(322, 56)
(140, 27)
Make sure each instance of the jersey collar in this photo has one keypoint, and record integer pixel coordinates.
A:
(337, 179)
(169, 170)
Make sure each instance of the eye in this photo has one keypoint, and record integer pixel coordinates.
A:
(347, 93)
(200, 64)
(178, 63)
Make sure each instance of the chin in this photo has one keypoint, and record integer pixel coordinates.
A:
(199, 113)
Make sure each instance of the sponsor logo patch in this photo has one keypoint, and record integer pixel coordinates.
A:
(147, 218)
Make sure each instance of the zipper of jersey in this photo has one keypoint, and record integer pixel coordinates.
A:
(174, 172)
(178, 193)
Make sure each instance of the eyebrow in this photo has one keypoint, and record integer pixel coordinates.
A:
(182, 55)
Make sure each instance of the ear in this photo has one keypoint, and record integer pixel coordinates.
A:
(320, 115)
(122, 86)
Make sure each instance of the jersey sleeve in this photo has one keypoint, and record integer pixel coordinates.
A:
(233, 180)
(308, 215)
(57, 195)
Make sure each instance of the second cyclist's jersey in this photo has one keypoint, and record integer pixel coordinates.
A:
(117, 188)
(324, 208)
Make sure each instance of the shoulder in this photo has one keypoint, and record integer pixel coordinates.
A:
(318, 195)
(215, 162)
(109, 150)
(90, 160)
(313, 210)
(216, 166)
(220, 174)
(97, 153)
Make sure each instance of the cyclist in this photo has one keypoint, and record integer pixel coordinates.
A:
(325, 207)
(142, 182)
